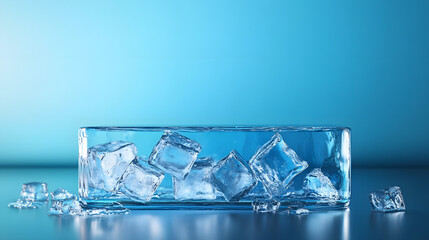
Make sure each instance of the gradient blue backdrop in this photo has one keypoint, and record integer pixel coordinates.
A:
(66, 64)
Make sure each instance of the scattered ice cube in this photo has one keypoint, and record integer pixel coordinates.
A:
(387, 200)
(300, 211)
(61, 195)
(175, 154)
(232, 177)
(140, 180)
(194, 186)
(24, 204)
(34, 191)
(74, 208)
(264, 205)
(319, 186)
(107, 163)
(275, 164)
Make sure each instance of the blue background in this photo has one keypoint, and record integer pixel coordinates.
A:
(362, 64)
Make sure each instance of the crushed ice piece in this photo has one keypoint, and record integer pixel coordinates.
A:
(275, 164)
(61, 195)
(34, 191)
(74, 208)
(232, 177)
(24, 204)
(387, 200)
(194, 186)
(175, 154)
(140, 180)
(300, 211)
(317, 185)
(107, 162)
(265, 205)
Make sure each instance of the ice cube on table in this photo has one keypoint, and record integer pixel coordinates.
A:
(175, 154)
(195, 186)
(387, 200)
(232, 177)
(67, 207)
(300, 211)
(140, 180)
(275, 164)
(317, 185)
(34, 191)
(107, 162)
(61, 195)
(24, 204)
(265, 205)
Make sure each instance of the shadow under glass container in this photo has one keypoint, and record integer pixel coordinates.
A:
(214, 167)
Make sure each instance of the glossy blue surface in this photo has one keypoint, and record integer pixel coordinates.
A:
(359, 63)
(359, 222)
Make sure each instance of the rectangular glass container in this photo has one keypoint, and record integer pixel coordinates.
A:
(326, 150)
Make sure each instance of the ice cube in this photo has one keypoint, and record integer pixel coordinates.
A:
(34, 191)
(107, 163)
(318, 185)
(265, 205)
(140, 180)
(61, 195)
(257, 192)
(24, 204)
(387, 200)
(175, 154)
(195, 186)
(300, 211)
(275, 165)
(67, 207)
(232, 177)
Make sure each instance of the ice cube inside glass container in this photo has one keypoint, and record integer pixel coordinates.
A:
(175, 150)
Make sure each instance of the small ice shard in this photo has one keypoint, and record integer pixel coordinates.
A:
(67, 207)
(300, 211)
(195, 186)
(24, 204)
(140, 180)
(61, 195)
(107, 162)
(232, 177)
(387, 200)
(319, 186)
(175, 154)
(275, 165)
(74, 208)
(34, 191)
(265, 205)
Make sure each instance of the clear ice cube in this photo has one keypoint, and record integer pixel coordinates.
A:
(61, 195)
(175, 154)
(387, 200)
(275, 165)
(24, 204)
(300, 211)
(194, 186)
(317, 185)
(67, 207)
(232, 177)
(140, 180)
(34, 191)
(107, 163)
(265, 205)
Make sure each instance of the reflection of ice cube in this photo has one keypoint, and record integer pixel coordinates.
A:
(265, 205)
(319, 186)
(140, 180)
(175, 154)
(34, 191)
(107, 163)
(195, 186)
(61, 195)
(232, 177)
(387, 200)
(275, 164)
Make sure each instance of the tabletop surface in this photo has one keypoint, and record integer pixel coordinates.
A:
(357, 222)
